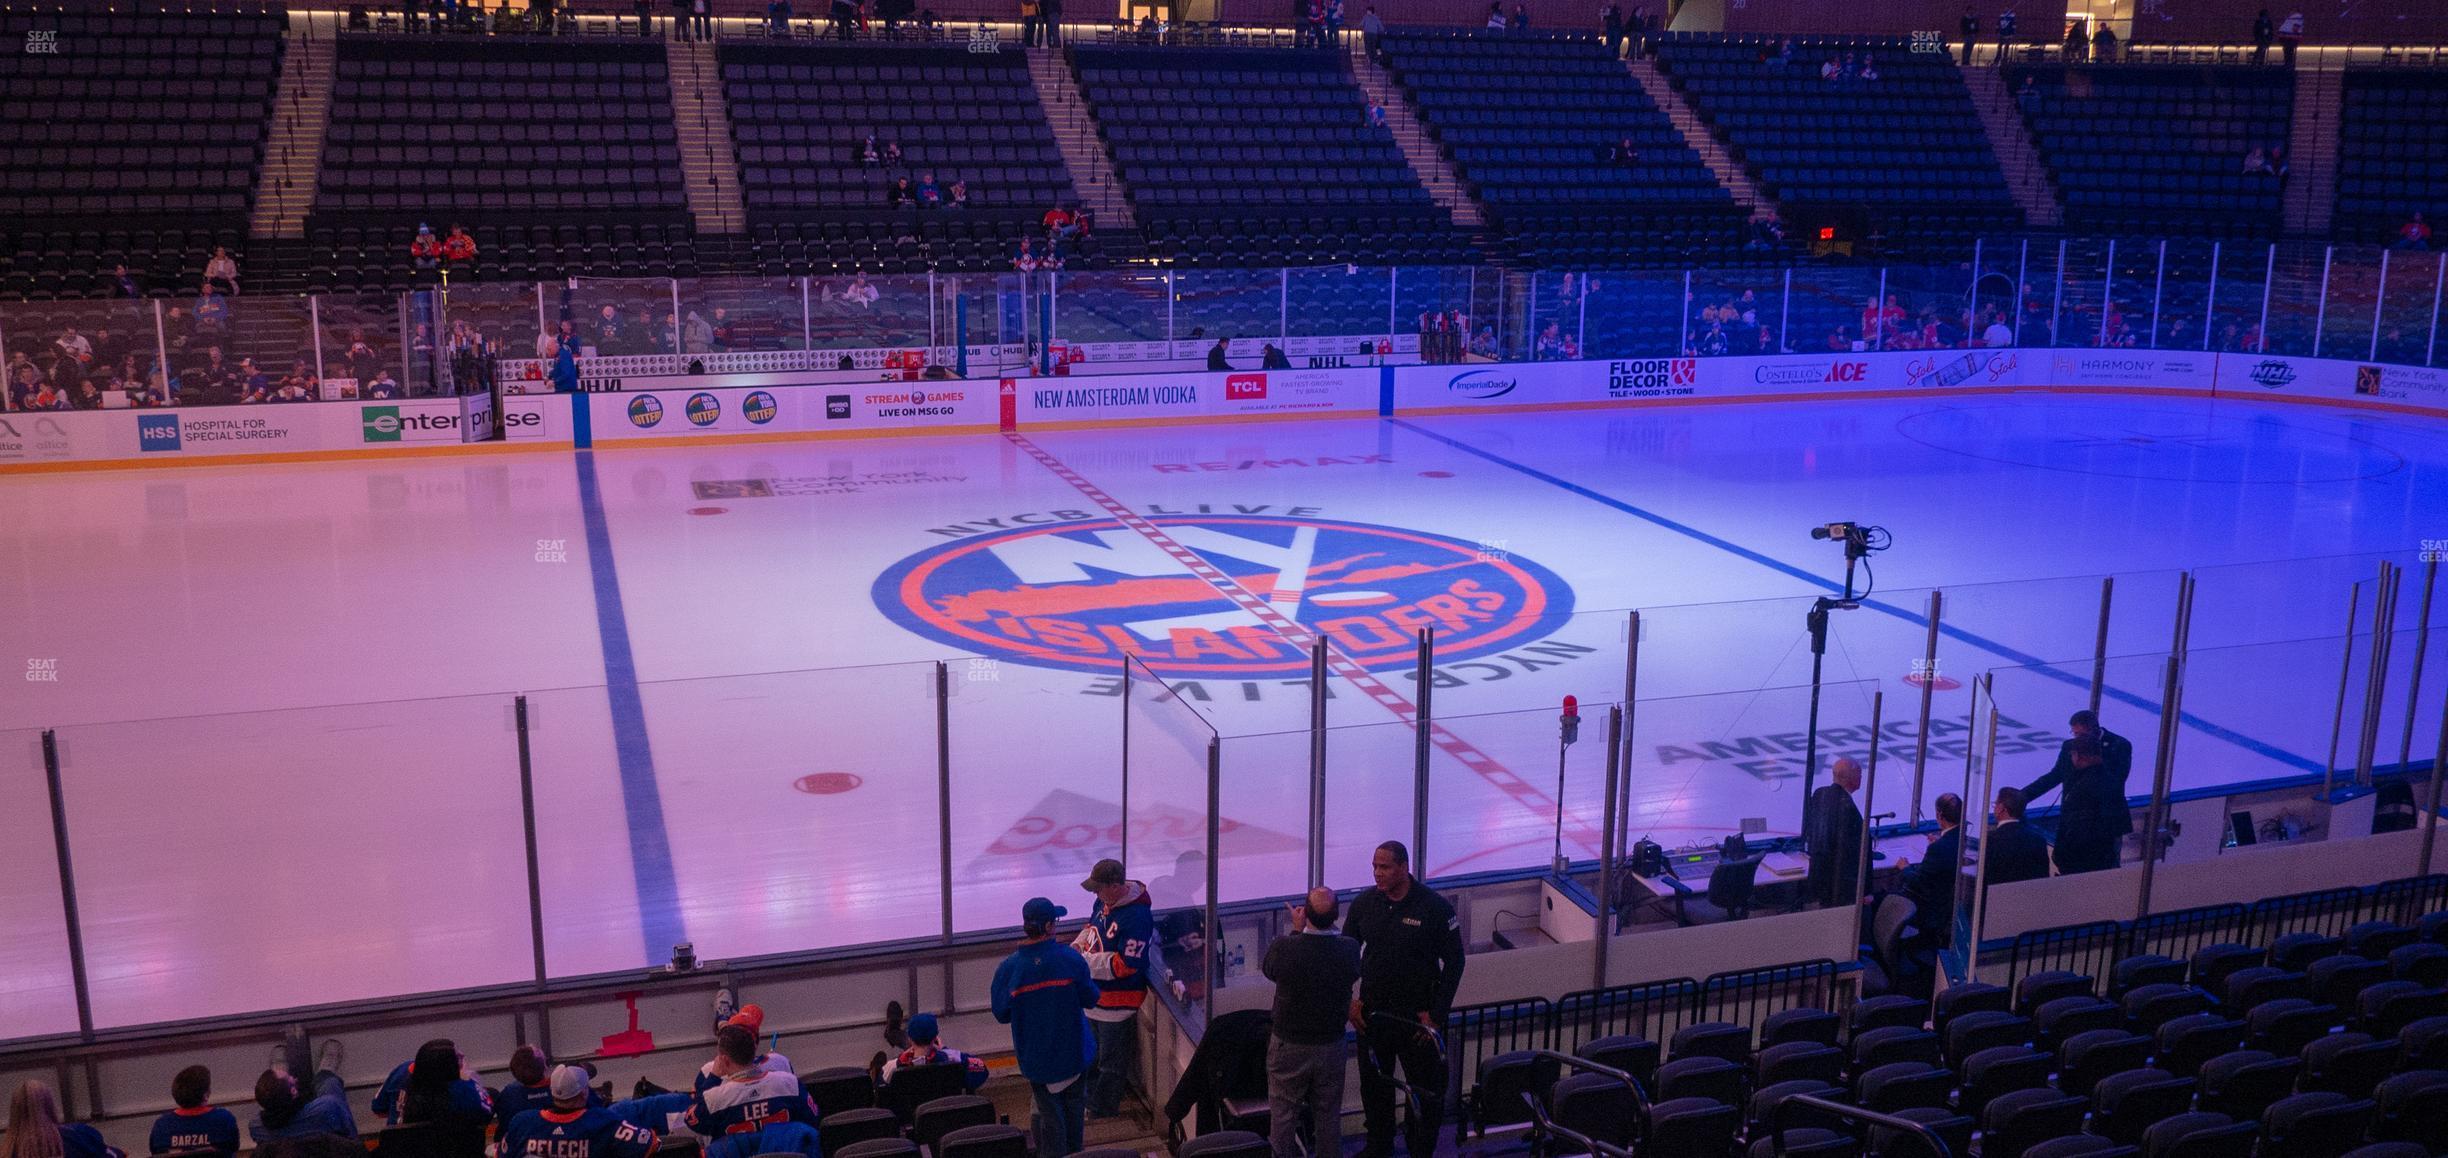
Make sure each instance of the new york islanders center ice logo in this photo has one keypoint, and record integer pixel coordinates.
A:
(1080, 594)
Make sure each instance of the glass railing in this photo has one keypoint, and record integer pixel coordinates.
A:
(2291, 298)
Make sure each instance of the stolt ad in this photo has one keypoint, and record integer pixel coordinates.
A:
(1653, 378)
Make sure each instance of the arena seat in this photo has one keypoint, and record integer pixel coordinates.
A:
(2161, 149)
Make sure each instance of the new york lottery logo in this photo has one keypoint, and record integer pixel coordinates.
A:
(758, 407)
(1080, 594)
(645, 411)
(703, 409)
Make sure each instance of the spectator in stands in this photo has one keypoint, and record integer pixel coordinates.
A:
(1832, 829)
(1766, 343)
(1997, 335)
(958, 197)
(899, 195)
(2278, 162)
(1057, 222)
(1868, 71)
(1411, 962)
(2005, 35)
(383, 385)
(1372, 34)
(860, 292)
(1032, 22)
(196, 1124)
(35, 1129)
(425, 251)
(1115, 943)
(1483, 343)
(2104, 44)
(1969, 26)
(2415, 233)
(1521, 18)
(1624, 153)
(459, 249)
(288, 1112)
(222, 269)
(1334, 23)
(1931, 883)
(1831, 69)
(1611, 28)
(570, 1122)
(930, 195)
(1376, 115)
(892, 153)
(1314, 970)
(74, 345)
(122, 283)
(211, 316)
(1496, 17)
(777, 18)
(1311, 30)
(1026, 259)
(725, 334)
(25, 381)
(895, 13)
(2015, 852)
(1783, 57)
(2290, 35)
(298, 385)
(250, 383)
(2093, 818)
(611, 336)
(2027, 98)
(845, 18)
(1043, 991)
(1841, 339)
(209, 384)
(440, 1092)
(868, 152)
(1713, 342)
(2077, 42)
(1216, 353)
(750, 1099)
(696, 334)
(926, 1048)
(2264, 31)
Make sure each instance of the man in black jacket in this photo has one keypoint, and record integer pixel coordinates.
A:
(2093, 818)
(2016, 852)
(1313, 971)
(1833, 829)
(1410, 965)
(1931, 883)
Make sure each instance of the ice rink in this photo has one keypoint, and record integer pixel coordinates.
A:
(283, 695)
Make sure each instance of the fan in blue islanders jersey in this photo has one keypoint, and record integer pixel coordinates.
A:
(574, 1129)
(196, 1124)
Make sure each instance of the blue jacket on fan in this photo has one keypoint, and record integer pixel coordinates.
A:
(749, 1101)
(1115, 944)
(202, 1128)
(1042, 991)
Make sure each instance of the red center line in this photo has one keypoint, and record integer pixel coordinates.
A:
(1291, 631)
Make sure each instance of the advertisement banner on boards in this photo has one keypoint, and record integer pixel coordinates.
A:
(142, 436)
(1039, 401)
(2274, 375)
(643, 414)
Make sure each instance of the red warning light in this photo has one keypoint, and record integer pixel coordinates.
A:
(1827, 233)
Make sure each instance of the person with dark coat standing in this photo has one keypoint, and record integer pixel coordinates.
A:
(1410, 965)
(2016, 851)
(2093, 818)
(1313, 971)
(1832, 827)
(1931, 883)
(1970, 27)
(2265, 30)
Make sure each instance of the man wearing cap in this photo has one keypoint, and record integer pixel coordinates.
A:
(926, 1048)
(1043, 991)
(573, 1128)
(1410, 964)
(1115, 944)
(1313, 971)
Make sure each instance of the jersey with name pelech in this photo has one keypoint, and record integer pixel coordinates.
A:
(588, 1133)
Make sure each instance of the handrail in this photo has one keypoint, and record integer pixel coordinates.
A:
(1547, 1125)
(1928, 1137)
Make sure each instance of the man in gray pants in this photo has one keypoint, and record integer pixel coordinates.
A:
(1314, 970)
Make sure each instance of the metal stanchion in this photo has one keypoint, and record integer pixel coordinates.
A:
(1631, 707)
(1980, 875)
(527, 809)
(2099, 643)
(1929, 681)
(1861, 880)
(2337, 719)
(1425, 686)
(2422, 649)
(2375, 683)
(1215, 854)
(1608, 849)
(943, 792)
(67, 884)
(2171, 725)
(1317, 764)
(2439, 767)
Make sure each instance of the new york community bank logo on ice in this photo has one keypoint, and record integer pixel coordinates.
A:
(1076, 590)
